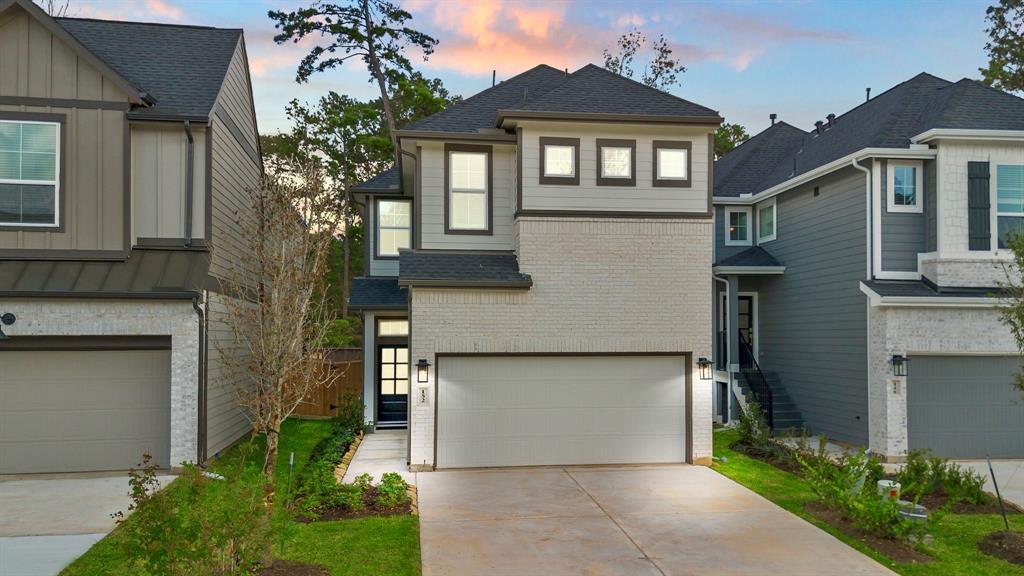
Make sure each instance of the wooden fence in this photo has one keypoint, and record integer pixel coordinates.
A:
(348, 364)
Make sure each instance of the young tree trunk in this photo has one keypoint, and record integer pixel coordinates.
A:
(270, 456)
(378, 74)
(346, 250)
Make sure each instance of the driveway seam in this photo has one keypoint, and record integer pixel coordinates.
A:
(616, 522)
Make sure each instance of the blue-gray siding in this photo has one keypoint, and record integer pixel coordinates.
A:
(721, 250)
(903, 233)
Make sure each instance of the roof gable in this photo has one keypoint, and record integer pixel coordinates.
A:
(742, 169)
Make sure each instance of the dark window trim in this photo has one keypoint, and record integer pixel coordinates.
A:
(480, 149)
(616, 143)
(376, 226)
(672, 145)
(86, 343)
(573, 180)
(61, 192)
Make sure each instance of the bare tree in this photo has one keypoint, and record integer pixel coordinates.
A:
(662, 69)
(56, 8)
(277, 311)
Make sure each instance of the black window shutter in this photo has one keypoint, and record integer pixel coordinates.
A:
(979, 207)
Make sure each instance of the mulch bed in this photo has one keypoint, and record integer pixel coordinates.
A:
(898, 551)
(1004, 545)
(287, 568)
(370, 508)
(937, 500)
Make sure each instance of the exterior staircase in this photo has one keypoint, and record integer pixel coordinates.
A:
(786, 417)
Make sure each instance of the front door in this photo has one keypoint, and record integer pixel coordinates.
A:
(744, 317)
(392, 385)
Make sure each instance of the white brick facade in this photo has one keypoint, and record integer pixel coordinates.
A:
(600, 285)
(177, 319)
(965, 271)
(919, 331)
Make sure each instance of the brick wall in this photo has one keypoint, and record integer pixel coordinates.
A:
(600, 285)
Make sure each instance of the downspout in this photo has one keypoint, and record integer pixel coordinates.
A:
(868, 216)
(416, 175)
(202, 388)
(189, 184)
(728, 353)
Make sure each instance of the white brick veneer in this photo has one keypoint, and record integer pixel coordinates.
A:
(600, 285)
(964, 271)
(39, 317)
(919, 331)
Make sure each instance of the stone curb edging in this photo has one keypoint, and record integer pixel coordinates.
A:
(414, 503)
(342, 467)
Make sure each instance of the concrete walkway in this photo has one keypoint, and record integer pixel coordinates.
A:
(380, 452)
(1009, 474)
(658, 521)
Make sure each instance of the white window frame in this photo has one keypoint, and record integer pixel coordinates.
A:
(486, 192)
(55, 182)
(890, 194)
(377, 254)
(993, 184)
(729, 210)
(629, 162)
(775, 221)
(686, 164)
(572, 161)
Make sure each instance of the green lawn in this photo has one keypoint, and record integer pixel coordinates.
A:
(365, 546)
(955, 536)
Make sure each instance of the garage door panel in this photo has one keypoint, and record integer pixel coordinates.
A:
(512, 411)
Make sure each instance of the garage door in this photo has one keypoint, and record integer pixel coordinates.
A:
(75, 411)
(965, 406)
(522, 411)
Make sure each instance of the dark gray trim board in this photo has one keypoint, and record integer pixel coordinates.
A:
(504, 115)
(465, 283)
(489, 151)
(616, 143)
(74, 255)
(677, 145)
(64, 103)
(185, 295)
(615, 214)
(545, 141)
(417, 203)
(170, 244)
(62, 192)
(86, 343)
(456, 136)
(519, 169)
(711, 171)
(238, 135)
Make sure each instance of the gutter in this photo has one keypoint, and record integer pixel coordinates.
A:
(877, 300)
(201, 419)
(466, 283)
(749, 270)
(190, 169)
(870, 220)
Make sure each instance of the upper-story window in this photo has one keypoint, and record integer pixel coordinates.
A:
(737, 222)
(1009, 201)
(469, 177)
(766, 222)
(559, 160)
(394, 227)
(29, 173)
(905, 187)
(616, 162)
(672, 163)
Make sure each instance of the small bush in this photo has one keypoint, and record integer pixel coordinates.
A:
(317, 487)
(349, 497)
(923, 474)
(392, 492)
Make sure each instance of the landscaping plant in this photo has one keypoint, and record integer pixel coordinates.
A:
(393, 491)
(923, 474)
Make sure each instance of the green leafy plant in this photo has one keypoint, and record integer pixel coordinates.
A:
(349, 497)
(393, 491)
(923, 474)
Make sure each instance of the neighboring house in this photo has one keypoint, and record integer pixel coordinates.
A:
(540, 277)
(879, 235)
(125, 153)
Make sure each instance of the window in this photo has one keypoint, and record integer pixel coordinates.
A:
(29, 173)
(393, 227)
(905, 186)
(616, 162)
(766, 222)
(672, 163)
(559, 161)
(1009, 201)
(737, 222)
(392, 327)
(468, 174)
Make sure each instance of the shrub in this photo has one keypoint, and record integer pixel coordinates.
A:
(392, 492)
(349, 497)
(924, 474)
(317, 487)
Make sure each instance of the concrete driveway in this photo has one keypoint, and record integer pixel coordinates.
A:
(45, 523)
(659, 521)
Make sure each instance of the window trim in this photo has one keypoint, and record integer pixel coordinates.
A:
(611, 180)
(890, 184)
(473, 148)
(994, 213)
(771, 203)
(672, 182)
(725, 226)
(573, 180)
(59, 187)
(377, 336)
(376, 226)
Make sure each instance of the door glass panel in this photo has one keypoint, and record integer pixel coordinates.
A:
(402, 355)
(401, 386)
(387, 371)
(387, 355)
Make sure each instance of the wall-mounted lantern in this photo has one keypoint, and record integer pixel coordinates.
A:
(705, 368)
(422, 371)
(899, 364)
(6, 320)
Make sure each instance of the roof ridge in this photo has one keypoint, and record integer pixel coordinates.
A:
(140, 23)
(886, 92)
(641, 84)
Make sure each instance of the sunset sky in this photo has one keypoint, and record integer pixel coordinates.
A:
(801, 60)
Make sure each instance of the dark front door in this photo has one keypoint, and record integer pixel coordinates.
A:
(745, 318)
(392, 385)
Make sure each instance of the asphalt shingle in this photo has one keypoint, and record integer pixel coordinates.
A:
(754, 256)
(386, 181)
(378, 293)
(460, 268)
(921, 289)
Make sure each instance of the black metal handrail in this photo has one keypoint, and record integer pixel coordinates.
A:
(756, 380)
(722, 358)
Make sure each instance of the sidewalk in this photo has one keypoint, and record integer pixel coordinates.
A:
(380, 452)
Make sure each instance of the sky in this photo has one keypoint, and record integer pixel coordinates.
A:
(799, 59)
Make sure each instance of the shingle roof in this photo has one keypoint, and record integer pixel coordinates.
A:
(386, 181)
(742, 169)
(754, 256)
(425, 267)
(378, 293)
(182, 67)
(922, 289)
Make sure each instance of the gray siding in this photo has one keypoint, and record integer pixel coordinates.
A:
(812, 322)
(903, 233)
(159, 175)
(931, 210)
(225, 421)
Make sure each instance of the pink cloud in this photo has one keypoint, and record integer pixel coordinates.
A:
(630, 20)
(164, 9)
(128, 10)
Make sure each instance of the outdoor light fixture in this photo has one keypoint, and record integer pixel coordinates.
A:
(705, 368)
(422, 371)
(6, 320)
(899, 365)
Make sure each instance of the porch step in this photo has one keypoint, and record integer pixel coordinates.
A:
(786, 414)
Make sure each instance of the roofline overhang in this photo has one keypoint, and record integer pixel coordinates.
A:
(878, 301)
(454, 136)
(438, 283)
(395, 191)
(748, 270)
(373, 307)
(838, 164)
(142, 116)
(506, 115)
(94, 295)
(968, 134)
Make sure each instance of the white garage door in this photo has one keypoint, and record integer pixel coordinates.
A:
(538, 410)
(77, 411)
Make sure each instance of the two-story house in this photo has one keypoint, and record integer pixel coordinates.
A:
(857, 270)
(125, 153)
(540, 277)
